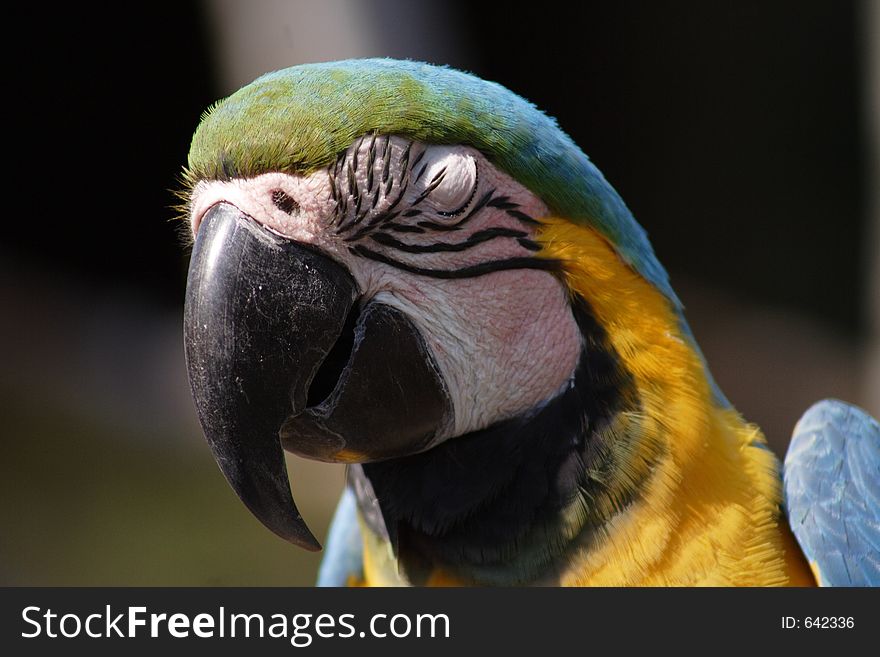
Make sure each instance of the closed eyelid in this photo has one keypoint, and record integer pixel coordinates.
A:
(464, 206)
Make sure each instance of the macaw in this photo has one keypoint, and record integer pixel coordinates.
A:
(416, 272)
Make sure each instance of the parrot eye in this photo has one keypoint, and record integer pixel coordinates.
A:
(447, 177)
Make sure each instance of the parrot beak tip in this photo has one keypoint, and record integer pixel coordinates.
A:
(245, 382)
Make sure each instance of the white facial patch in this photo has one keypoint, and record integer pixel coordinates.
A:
(444, 236)
(292, 206)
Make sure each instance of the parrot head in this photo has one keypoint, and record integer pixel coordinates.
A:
(412, 270)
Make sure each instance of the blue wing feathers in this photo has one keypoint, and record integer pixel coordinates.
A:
(343, 553)
(832, 491)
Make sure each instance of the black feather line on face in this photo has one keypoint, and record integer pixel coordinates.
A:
(386, 160)
(332, 179)
(446, 247)
(434, 184)
(418, 157)
(358, 215)
(442, 227)
(403, 228)
(481, 269)
(371, 160)
(529, 244)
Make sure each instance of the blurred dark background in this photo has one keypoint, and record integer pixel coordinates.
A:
(740, 134)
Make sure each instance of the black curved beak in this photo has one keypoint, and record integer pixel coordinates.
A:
(261, 313)
(278, 354)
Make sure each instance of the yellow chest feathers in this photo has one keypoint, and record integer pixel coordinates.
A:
(709, 514)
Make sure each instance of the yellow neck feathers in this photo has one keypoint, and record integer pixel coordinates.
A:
(709, 512)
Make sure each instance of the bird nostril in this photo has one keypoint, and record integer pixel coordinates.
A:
(284, 201)
(325, 379)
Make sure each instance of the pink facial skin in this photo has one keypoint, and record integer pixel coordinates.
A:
(505, 341)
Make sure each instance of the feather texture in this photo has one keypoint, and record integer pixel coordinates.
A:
(832, 490)
(710, 513)
(344, 554)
